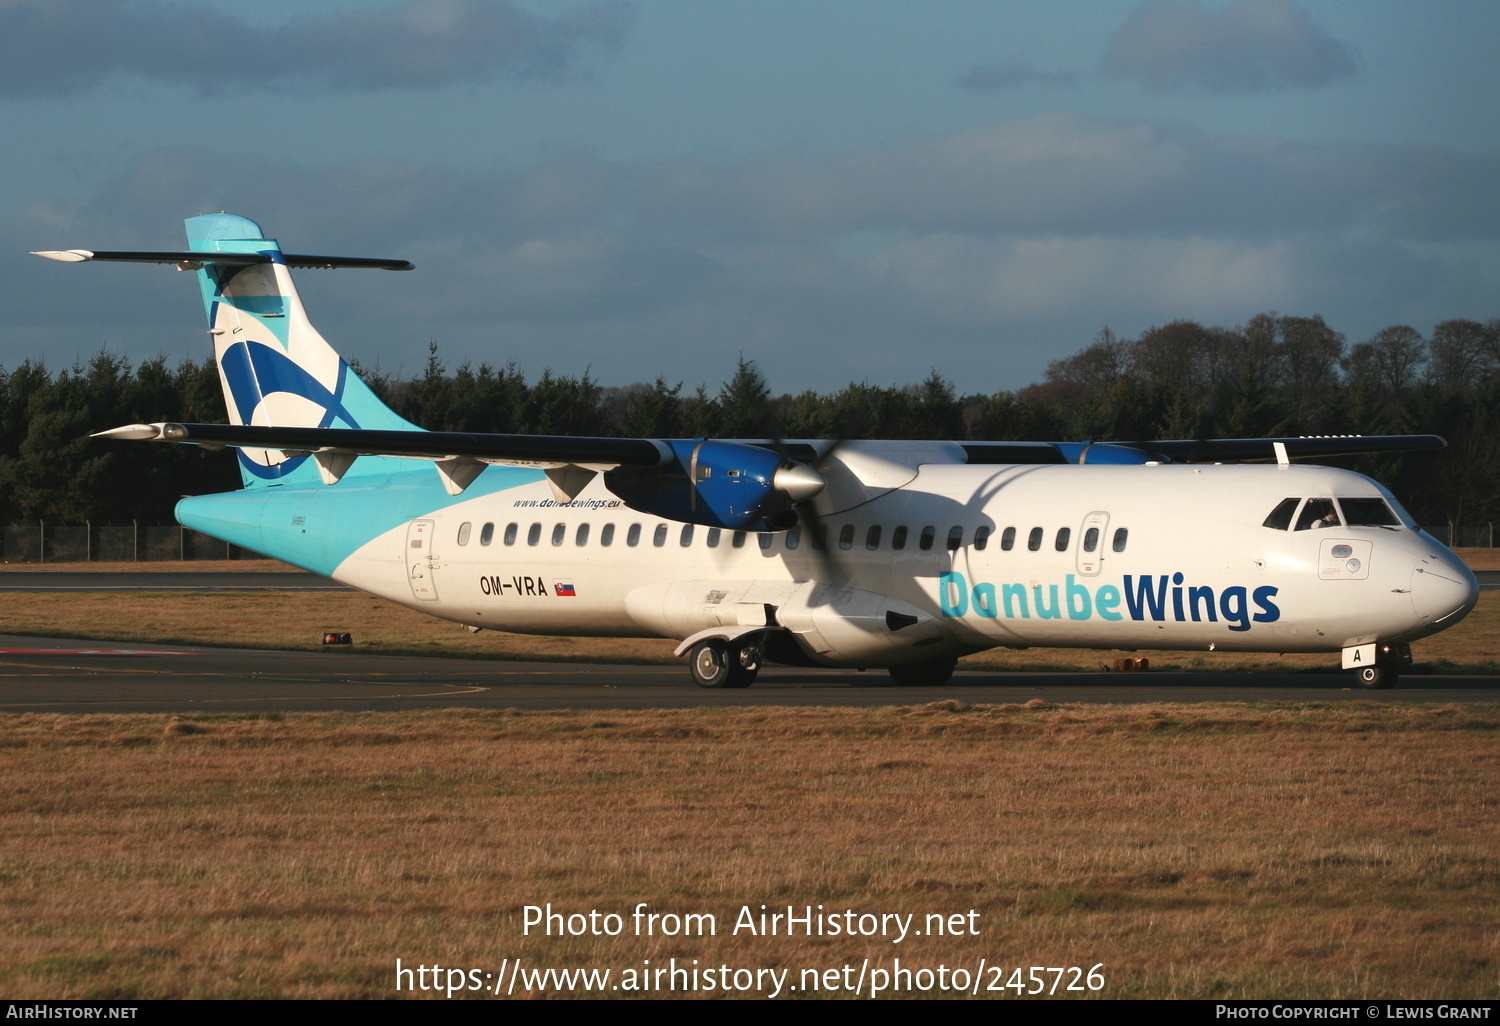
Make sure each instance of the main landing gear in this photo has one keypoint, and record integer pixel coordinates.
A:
(716, 663)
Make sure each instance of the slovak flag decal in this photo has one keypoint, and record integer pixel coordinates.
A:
(564, 589)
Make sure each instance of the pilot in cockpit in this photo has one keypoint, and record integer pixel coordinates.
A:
(1318, 513)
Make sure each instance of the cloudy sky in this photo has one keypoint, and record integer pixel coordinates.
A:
(840, 189)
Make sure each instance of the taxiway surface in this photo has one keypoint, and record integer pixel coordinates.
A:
(58, 675)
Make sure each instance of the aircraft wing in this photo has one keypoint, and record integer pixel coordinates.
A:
(1196, 450)
(721, 483)
(739, 484)
(510, 450)
(1233, 450)
(545, 450)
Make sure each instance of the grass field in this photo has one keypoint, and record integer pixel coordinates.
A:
(1215, 851)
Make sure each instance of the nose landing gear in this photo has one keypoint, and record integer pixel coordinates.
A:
(1377, 667)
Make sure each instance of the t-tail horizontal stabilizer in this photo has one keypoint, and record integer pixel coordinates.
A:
(274, 367)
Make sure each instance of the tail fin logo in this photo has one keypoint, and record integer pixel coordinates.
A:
(258, 377)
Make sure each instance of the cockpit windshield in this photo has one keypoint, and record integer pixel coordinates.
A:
(1368, 513)
(1320, 512)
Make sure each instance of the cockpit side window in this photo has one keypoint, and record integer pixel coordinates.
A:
(1368, 513)
(1317, 513)
(1406, 517)
(1281, 517)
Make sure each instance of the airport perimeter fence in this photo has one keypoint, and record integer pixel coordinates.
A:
(38, 541)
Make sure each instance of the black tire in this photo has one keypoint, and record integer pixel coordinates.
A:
(714, 664)
(1376, 677)
(922, 675)
(744, 664)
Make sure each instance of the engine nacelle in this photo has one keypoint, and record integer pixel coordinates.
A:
(732, 485)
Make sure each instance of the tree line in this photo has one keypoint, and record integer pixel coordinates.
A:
(1272, 375)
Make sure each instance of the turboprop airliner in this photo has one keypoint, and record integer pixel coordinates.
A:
(904, 555)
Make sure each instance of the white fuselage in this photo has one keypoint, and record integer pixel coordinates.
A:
(956, 559)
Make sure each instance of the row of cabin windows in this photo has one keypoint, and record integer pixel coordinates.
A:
(818, 538)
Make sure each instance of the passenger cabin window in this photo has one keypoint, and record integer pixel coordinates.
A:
(659, 538)
(955, 538)
(819, 537)
(1368, 513)
(1317, 514)
(510, 534)
(794, 538)
(686, 538)
(872, 538)
(981, 538)
(929, 535)
(486, 534)
(633, 536)
(766, 541)
(582, 537)
(559, 534)
(463, 532)
(846, 536)
(607, 535)
(1034, 539)
(738, 540)
(534, 535)
(1008, 539)
(713, 537)
(1091, 539)
(898, 537)
(1064, 535)
(1281, 517)
(1122, 535)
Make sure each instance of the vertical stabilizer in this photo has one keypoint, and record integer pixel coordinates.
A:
(273, 365)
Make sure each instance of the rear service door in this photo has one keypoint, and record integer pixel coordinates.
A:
(420, 536)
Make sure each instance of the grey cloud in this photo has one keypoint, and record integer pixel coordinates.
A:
(993, 251)
(64, 47)
(1073, 175)
(1247, 46)
(997, 78)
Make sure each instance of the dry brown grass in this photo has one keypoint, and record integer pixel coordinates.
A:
(1480, 559)
(1219, 851)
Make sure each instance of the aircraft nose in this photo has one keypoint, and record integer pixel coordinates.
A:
(1443, 590)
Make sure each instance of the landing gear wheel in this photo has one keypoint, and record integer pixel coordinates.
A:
(714, 664)
(922, 675)
(1377, 676)
(744, 663)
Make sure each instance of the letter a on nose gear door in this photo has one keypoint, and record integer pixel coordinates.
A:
(419, 537)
